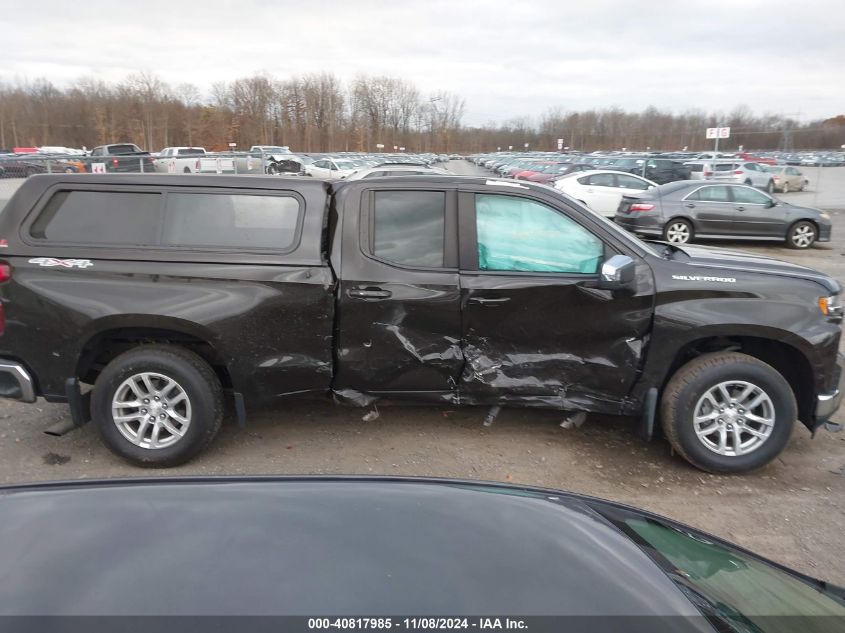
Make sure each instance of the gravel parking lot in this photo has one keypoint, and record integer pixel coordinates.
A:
(792, 511)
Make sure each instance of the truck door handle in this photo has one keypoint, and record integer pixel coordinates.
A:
(369, 293)
(484, 301)
(740, 208)
(690, 205)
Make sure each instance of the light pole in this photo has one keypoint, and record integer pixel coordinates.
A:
(433, 107)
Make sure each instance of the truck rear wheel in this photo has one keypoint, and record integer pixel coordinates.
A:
(157, 405)
(728, 412)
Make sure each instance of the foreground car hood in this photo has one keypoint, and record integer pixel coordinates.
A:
(751, 262)
(353, 547)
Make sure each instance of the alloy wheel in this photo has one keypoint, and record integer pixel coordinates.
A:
(678, 233)
(734, 418)
(803, 236)
(151, 410)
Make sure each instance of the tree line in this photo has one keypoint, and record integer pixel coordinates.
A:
(320, 113)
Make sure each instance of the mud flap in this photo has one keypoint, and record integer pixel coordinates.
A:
(80, 409)
(649, 414)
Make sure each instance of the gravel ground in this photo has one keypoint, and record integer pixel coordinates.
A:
(792, 511)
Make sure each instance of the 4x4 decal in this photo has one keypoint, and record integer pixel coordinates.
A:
(63, 263)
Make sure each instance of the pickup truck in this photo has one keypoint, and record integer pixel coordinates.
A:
(147, 302)
(119, 157)
(192, 160)
(268, 159)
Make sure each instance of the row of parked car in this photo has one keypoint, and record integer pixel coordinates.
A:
(260, 159)
(719, 198)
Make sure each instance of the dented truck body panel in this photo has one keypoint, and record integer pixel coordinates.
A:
(329, 317)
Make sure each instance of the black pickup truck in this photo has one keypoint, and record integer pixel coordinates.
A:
(171, 294)
(119, 158)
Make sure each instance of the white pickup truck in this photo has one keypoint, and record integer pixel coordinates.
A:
(192, 160)
(269, 159)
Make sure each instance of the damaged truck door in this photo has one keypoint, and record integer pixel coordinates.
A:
(399, 319)
(538, 328)
(487, 298)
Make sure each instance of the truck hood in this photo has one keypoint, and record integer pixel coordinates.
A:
(712, 257)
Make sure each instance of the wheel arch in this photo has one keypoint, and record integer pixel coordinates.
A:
(786, 359)
(115, 336)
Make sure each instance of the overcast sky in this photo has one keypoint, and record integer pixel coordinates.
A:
(507, 59)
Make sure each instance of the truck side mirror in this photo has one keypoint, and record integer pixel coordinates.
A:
(617, 272)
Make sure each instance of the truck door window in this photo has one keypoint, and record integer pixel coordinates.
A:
(99, 217)
(231, 220)
(517, 234)
(409, 227)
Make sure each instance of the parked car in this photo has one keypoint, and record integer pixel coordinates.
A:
(567, 169)
(192, 160)
(787, 178)
(683, 211)
(120, 157)
(331, 168)
(20, 166)
(557, 170)
(395, 170)
(386, 553)
(748, 173)
(601, 190)
(268, 159)
(168, 304)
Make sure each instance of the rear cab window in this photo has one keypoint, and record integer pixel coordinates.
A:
(163, 218)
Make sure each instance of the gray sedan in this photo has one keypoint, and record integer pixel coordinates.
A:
(682, 211)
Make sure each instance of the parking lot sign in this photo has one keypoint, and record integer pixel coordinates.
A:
(560, 144)
(718, 132)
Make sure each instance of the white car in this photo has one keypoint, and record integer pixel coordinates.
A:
(602, 190)
(331, 168)
(395, 170)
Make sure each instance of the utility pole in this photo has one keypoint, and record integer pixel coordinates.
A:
(786, 143)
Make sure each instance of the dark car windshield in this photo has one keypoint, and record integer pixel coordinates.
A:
(738, 588)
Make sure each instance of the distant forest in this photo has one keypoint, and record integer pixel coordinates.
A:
(319, 112)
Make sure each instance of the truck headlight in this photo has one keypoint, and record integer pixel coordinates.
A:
(824, 215)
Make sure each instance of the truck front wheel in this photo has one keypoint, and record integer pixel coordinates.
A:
(157, 405)
(728, 412)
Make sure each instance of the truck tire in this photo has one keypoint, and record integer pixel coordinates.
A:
(724, 400)
(157, 405)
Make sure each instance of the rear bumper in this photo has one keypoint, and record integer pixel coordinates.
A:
(828, 403)
(641, 224)
(15, 382)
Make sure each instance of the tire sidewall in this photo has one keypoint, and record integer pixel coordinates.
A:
(205, 401)
(769, 381)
